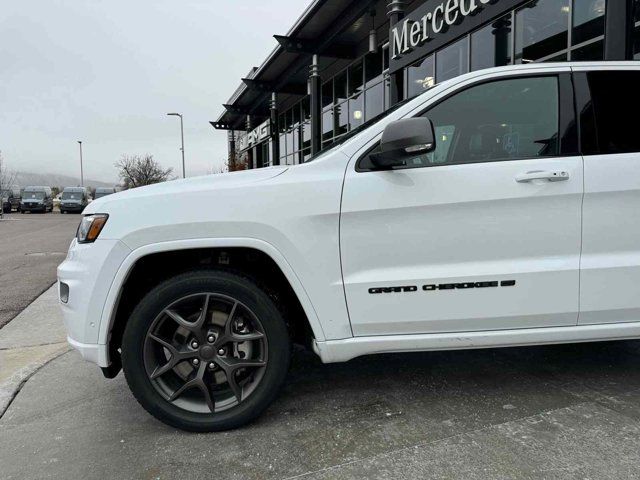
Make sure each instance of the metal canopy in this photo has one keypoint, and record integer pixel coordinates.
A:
(331, 28)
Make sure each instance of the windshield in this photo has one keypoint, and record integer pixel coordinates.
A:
(33, 195)
(71, 195)
(339, 141)
(101, 194)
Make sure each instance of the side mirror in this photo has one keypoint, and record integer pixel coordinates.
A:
(404, 139)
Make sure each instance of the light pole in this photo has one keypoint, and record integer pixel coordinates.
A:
(81, 172)
(182, 139)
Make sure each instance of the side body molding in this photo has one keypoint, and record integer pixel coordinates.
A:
(107, 317)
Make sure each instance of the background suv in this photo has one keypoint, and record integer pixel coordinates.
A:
(36, 199)
(11, 198)
(74, 199)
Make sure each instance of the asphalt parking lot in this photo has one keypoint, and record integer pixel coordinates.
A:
(32, 247)
(558, 412)
(562, 412)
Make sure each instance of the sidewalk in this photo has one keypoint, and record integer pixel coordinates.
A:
(32, 339)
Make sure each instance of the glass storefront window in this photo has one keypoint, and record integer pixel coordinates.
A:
(636, 43)
(373, 67)
(541, 29)
(340, 87)
(327, 93)
(592, 51)
(420, 76)
(341, 119)
(356, 111)
(290, 147)
(355, 77)
(385, 57)
(491, 45)
(562, 57)
(306, 108)
(295, 111)
(452, 60)
(387, 92)
(327, 125)
(282, 126)
(588, 20)
(374, 101)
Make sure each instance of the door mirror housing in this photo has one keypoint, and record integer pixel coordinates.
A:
(404, 139)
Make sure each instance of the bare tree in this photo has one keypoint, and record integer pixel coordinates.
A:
(7, 179)
(236, 162)
(139, 170)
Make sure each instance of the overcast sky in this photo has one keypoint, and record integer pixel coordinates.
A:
(107, 71)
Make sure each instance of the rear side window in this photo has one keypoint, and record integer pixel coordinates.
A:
(615, 99)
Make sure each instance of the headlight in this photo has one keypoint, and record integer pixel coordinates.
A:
(90, 227)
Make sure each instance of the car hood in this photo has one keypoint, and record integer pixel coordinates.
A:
(182, 187)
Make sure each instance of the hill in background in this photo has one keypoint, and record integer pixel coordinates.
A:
(24, 179)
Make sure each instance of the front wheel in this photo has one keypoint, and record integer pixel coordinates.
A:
(206, 351)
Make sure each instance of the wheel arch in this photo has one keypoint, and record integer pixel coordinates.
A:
(112, 319)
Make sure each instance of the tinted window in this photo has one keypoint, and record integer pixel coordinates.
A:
(502, 120)
(615, 97)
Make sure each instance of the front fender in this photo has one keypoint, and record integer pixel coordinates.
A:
(107, 318)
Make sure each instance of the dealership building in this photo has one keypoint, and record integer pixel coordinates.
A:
(346, 61)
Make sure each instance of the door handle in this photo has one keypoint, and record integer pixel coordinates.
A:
(556, 176)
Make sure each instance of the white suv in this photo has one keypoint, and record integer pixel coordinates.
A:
(499, 208)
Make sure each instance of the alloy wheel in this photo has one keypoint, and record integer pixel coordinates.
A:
(205, 353)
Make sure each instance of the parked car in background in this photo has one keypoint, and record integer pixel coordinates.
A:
(11, 199)
(103, 192)
(74, 199)
(36, 199)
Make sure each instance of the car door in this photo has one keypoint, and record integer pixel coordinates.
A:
(476, 235)
(610, 265)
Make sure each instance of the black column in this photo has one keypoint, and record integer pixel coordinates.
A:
(396, 15)
(501, 31)
(275, 130)
(315, 85)
(618, 30)
(251, 151)
(231, 160)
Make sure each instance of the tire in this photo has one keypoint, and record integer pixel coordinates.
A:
(217, 287)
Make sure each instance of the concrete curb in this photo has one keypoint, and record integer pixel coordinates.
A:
(12, 385)
(31, 340)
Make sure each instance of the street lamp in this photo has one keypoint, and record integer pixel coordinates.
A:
(81, 172)
(182, 139)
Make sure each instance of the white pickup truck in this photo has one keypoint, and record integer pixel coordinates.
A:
(499, 208)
